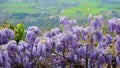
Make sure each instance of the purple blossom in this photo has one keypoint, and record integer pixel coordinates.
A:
(1, 59)
(3, 37)
(118, 60)
(34, 29)
(101, 59)
(82, 52)
(89, 18)
(111, 25)
(96, 23)
(30, 37)
(63, 20)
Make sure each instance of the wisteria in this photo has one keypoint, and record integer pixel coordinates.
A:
(73, 47)
(6, 35)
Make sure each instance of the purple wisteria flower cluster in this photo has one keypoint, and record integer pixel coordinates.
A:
(73, 47)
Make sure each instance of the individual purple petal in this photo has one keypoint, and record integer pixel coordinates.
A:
(117, 60)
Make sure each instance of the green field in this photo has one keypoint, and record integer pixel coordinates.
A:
(92, 7)
(85, 7)
(30, 12)
(18, 7)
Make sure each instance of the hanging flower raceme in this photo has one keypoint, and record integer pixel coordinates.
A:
(96, 36)
(21, 47)
(67, 24)
(114, 26)
(34, 29)
(77, 31)
(69, 40)
(52, 33)
(44, 47)
(1, 59)
(31, 34)
(63, 20)
(84, 33)
(118, 60)
(3, 37)
(57, 40)
(6, 35)
(101, 59)
(89, 18)
(73, 57)
(12, 46)
(109, 39)
(7, 61)
(12, 50)
(117, 45)
(96, 23)
(117, 26)
(82, 51)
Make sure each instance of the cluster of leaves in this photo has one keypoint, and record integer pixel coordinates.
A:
(18, 29)
(19, 32)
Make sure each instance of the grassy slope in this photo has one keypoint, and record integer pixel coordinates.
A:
(94, 7)
(90, 7)
(18, 7)
(86, 7)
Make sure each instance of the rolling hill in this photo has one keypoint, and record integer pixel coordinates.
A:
(44, 12)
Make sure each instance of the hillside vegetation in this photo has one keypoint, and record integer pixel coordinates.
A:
(47, 12)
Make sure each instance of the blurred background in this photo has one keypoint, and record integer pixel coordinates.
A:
(46, 13)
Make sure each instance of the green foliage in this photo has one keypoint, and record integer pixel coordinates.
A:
(19, 32)
(11, 26)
